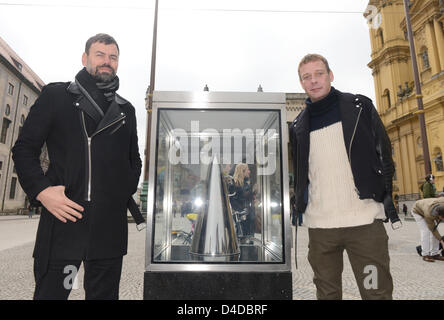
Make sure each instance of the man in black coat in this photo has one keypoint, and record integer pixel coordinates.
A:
(91, 136)
(343, 185)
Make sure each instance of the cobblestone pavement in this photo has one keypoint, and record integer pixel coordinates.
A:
(413, 278)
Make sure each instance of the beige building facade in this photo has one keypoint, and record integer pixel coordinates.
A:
(19, 88)
(395, 89)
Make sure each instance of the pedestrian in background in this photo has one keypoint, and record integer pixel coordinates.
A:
(404, 209)
(428, 188)
(428, 213)
(31, 211)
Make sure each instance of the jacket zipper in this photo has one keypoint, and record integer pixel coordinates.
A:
(351, 143)
(88, 196)
(353, 137)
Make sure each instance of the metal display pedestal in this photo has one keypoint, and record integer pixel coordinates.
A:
(217, 286)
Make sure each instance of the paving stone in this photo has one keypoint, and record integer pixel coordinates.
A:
(414, 279)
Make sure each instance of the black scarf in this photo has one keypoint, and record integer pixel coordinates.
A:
(102, 92)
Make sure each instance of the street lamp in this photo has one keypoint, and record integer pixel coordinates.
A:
(144, 193)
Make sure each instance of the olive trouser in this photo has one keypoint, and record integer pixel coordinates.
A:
(367, 249)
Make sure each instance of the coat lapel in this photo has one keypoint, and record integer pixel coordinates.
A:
(302, 126)
(113, 114)
(349, 110)
(83, 103)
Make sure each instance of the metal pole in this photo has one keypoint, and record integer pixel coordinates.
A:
(420, 112)
(150, 95)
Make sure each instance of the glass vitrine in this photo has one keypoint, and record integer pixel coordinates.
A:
(218, 188)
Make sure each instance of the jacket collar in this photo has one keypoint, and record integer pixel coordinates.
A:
(350, 107)
(113, 114)
(74, 89)
(302, 123)
(115, 110)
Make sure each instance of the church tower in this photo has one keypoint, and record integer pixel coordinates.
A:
(394, 86)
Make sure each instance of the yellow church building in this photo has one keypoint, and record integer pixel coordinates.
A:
(395, 90)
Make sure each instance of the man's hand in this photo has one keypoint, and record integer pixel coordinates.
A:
(55, 200)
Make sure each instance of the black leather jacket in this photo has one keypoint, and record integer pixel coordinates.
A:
(368, 149)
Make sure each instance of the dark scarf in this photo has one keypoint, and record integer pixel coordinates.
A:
(324, 112)
(109, 88)
(324, 105)
(102, 92)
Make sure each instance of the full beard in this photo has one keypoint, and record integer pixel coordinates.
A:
(103, 76)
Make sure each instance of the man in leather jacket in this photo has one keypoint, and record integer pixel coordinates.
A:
(343, 184)
(91, 136)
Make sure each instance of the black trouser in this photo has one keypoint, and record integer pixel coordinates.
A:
(101, 280)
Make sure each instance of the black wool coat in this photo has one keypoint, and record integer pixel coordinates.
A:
(96, 159)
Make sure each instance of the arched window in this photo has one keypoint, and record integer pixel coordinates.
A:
(386, 99)
(437, 159)
(381, 37)
(395, 176)
(419, 143)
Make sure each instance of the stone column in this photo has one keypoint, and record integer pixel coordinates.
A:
(432, 48)
(439, 32)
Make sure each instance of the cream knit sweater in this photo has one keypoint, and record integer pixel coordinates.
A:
(333, 201)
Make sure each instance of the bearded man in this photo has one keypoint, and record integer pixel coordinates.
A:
(90, 133)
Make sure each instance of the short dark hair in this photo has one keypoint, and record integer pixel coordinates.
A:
(102, 38)
(311, 57)
(429, 177)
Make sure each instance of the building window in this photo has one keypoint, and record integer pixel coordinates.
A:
(8, 110)
(13, 187)
(419, 143)
(25, 100)
(5, 127)
(386, 96)
(1, 165)
(17, 64)
(10, 89)
(22, 119)
(381, 37)
(395, 176)
(425, 58)
(437, 159)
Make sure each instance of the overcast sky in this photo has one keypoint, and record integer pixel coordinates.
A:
(229, 45)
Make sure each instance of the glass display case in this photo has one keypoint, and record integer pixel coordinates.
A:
(218, 184)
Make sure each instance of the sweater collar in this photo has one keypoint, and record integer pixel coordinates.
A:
(324, 105)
